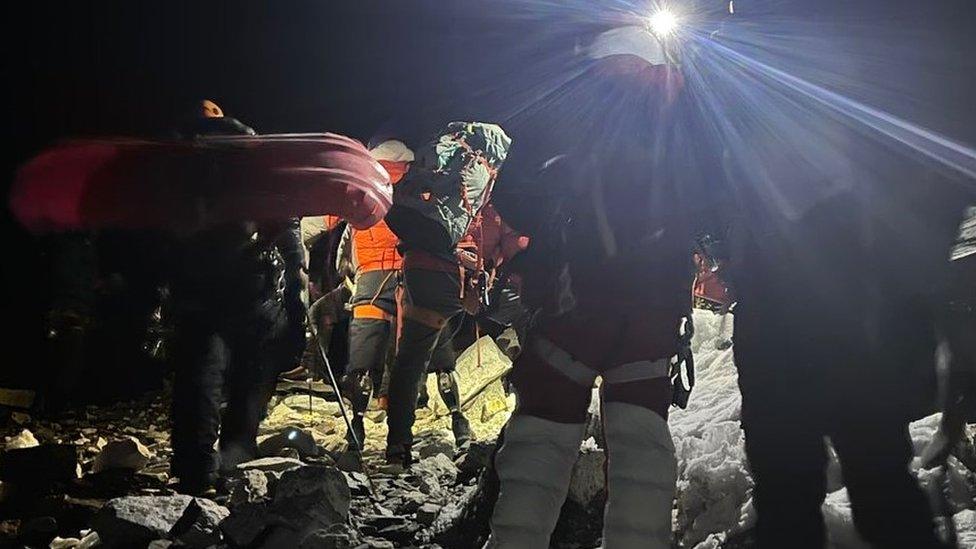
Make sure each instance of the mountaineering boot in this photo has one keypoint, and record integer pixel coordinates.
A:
(534, 466)
(400, 455)
(451, 395)
(422, 396)
(641, 476)
(359, 429)
(196, 483)
(462, 431)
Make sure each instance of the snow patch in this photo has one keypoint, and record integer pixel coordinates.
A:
(714, 491)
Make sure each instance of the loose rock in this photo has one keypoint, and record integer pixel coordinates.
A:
(200, 524)
(129, 454)
(438, 445)
(439, 465)
(428, 513)
(337, 536)
(311, 498)
(25, 439)
(245, 524)
(476, 459)
(588, 480)
(137, 520)
(271, 464)
(252, 487)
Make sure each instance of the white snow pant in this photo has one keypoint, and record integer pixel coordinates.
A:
(641, 476)
(534, 466)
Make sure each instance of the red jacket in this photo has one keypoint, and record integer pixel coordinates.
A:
(708, 284)
(496, 241)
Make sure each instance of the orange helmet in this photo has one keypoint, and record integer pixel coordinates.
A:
(209, 109)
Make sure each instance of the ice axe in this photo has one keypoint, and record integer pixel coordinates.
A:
(335, 384)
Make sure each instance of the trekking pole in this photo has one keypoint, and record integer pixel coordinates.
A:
(332, 380)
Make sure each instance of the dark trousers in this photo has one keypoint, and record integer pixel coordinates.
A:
(423, 345)
(371, 339)
(219, 361)
(798, 389)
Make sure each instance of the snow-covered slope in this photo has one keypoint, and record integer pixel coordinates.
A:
(714, 486)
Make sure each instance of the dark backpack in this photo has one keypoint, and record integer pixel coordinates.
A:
(448, 183)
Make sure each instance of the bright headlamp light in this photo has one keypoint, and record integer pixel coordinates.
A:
(662, 23)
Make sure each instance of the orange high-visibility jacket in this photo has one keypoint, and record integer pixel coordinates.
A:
(375, 248)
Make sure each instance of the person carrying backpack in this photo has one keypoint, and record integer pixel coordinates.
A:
(436, 214)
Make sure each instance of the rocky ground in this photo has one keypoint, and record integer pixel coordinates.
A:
(99, 476)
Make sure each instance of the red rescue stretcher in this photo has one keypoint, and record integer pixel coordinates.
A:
(131, 184)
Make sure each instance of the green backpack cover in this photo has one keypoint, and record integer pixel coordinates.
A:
(448, 183)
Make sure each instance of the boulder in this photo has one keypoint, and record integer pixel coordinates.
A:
(127, 454)
(136, 520)
(581, 517)
(200, 524)
(245, 523)
(403, 533)
(310, 498)
(349, 461)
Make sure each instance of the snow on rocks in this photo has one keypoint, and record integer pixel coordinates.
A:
(713, 490)
(714, 502)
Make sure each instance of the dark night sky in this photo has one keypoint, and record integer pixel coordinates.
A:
(127, 67)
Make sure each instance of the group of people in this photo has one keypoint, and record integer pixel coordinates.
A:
(614, 181)
(407, 305)
(592, 229)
